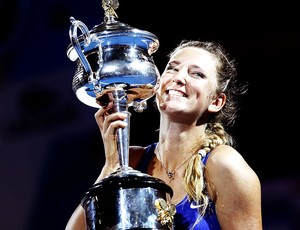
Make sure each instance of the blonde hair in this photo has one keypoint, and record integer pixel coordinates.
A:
(194, 182)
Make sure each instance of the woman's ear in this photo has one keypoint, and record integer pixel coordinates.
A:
(217, 104)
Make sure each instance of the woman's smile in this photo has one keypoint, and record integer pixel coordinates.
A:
(174, 92)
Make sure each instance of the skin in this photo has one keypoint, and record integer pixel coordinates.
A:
(186, 97)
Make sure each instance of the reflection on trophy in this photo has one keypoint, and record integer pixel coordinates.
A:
(114, 62)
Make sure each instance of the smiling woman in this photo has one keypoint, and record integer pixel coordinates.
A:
(197, 97)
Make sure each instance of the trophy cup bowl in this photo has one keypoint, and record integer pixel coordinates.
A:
(114, 62)
(113, 55)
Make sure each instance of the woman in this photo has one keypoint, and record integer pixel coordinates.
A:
(213, 186)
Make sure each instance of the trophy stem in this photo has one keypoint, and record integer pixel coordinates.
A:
(123, 134)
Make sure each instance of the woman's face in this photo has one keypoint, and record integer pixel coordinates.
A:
(186, 88)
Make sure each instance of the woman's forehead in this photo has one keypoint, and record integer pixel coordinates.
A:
(194, 56)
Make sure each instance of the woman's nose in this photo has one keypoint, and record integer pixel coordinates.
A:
(179, 78)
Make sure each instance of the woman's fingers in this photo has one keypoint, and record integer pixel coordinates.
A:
(114, 121)
(109, 126)
(102, 113)
(109, 122)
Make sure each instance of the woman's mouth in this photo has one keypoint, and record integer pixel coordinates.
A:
(173, 92)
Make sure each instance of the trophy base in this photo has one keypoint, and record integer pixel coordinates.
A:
(129, 200)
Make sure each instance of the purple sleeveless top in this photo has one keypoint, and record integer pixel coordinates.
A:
(186, 212)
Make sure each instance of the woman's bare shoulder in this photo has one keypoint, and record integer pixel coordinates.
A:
(228, 169)
(224, 158)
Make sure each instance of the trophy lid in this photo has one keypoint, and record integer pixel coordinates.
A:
(114, 32)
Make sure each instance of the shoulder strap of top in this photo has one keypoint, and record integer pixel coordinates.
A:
(146, 158)
(148, 155)
(204, 160)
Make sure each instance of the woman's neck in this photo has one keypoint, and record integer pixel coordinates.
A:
(178, 141)
(181, 133)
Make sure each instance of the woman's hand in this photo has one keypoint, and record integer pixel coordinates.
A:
(108, 123)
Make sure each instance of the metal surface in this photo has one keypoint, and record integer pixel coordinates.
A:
(127, 200)
(112, 53)
(114, 63)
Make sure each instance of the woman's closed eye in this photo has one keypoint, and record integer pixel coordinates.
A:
(197, 75)
(171, 68)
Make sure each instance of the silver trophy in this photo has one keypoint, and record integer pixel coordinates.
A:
(114, 63)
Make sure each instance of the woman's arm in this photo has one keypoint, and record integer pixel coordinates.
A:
(77, 220)
(236, 190)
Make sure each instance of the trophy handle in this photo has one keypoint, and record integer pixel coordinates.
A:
(74, 40)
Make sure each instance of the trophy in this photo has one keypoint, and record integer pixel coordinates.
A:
(114, 63)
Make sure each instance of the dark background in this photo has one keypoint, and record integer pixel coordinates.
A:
(50, 146)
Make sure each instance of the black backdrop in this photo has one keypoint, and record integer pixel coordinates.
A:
(51, 150)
